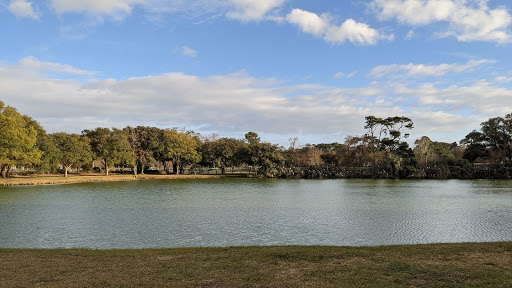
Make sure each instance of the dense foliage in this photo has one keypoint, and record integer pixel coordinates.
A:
(379, 153)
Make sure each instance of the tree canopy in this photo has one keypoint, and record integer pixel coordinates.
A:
(18, 137)
(73, 150)
(380, 152)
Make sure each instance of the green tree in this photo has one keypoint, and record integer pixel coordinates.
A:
(266, 157)
(142, 145)
(50, 154)
(180, 148)
(154, 140)
(493, 143)
(376, 126)
(18, 138)
(252, 138)
(446, 153)
(394, 125)
(222, 153)
(111, 147)
(335, 153)
(73, 150)
(475, 146)
(384, 136)
(424, 152)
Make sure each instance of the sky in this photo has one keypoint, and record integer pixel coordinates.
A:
(281, 68)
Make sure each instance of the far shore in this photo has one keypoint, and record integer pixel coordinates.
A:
(97, 177)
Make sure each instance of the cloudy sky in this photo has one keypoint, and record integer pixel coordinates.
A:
(281, 68)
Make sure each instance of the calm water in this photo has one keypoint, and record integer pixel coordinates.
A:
(243, 212)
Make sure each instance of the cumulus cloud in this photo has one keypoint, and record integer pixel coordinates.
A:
(252, 10)
(308, 22)
(350, 30)
(421, 70)
(22, 9)
(470, 20)
(32, 62)
(415, 12)
(356, 33)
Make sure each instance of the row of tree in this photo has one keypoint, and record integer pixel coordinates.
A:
(380, 152)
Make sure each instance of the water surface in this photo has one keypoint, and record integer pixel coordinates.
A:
(246, 212)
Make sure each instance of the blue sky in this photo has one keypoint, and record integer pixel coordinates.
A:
(281, 68)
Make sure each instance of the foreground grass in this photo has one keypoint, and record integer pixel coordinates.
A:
(437, 265)
(59, 179)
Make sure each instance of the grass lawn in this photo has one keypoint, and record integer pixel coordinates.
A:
(436, 265)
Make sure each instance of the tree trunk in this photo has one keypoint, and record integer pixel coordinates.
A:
(66, 171)
(142, 168)
(175, 168)
(4, 171)
(106, 168)
(135, 169)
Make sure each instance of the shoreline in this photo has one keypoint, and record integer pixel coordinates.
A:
(421, 265)
(55, 179)
(59, 179)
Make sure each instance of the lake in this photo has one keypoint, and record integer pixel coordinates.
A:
(247, 212)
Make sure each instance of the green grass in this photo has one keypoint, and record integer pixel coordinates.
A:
(436, 265)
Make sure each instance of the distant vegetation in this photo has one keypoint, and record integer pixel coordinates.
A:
(379, 153)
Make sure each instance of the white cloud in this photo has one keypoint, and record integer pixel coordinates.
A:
(243, 10)
(468, 20)
(421, 70)
(189, 52)
(481, 25)
(115, 8)
(33, 63)
(481, 97)
(503, 79)
(352, 74)
(218, 103)
(339, 75)
(237, 103)
(410, 34)
(350, 30)
(356, 33)
(22, 9)
(308, 22)
(252, 10)
(415, 12)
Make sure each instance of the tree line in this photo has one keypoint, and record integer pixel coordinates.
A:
(380, 152)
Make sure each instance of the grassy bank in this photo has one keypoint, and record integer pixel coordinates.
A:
(438, 265)
(59, 179)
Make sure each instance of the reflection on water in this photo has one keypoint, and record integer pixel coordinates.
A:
(244, 212)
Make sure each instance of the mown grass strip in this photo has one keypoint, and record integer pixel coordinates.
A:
(436, 265)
